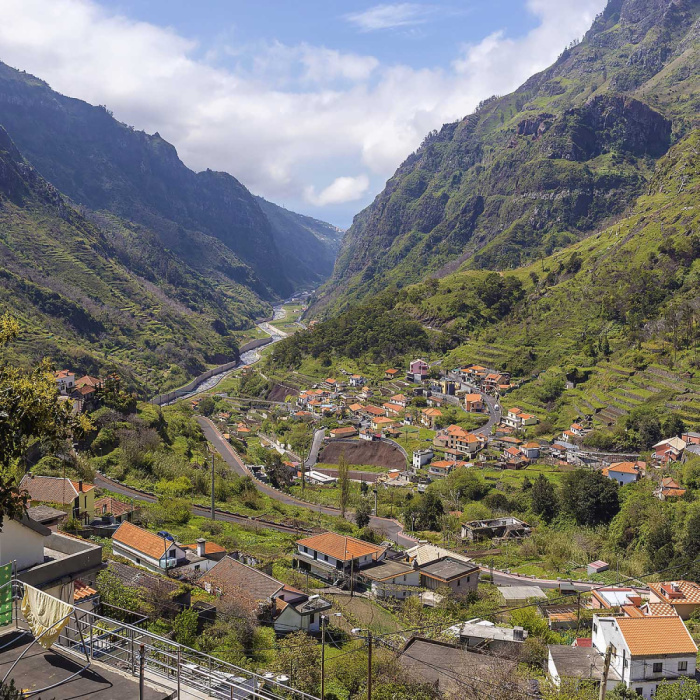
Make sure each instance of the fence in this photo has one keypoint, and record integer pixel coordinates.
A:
(162, 662)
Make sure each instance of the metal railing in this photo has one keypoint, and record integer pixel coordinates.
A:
(163, 662)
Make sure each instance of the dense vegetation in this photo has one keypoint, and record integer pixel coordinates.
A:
(536, 170)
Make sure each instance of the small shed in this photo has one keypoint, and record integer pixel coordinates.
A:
(596, 567)
(518, 595)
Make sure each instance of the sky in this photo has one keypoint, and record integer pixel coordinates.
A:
(312, 104)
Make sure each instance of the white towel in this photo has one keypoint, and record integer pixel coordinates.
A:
(44, 613)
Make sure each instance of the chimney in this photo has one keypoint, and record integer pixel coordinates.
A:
(518, 634)
(80, 486)
(201, 544)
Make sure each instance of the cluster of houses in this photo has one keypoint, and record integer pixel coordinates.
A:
(83, 392)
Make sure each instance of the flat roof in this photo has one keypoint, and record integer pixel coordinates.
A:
(385, 570)
(40, 668)
(580, 662)
(448, 569)
(521, 592)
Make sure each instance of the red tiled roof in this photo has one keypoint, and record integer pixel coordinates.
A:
(209, 547)
(340, 547)
(655, 636)
(82, 591)
(112, 506)
(141, 540)
(688, 592)
(52, 489)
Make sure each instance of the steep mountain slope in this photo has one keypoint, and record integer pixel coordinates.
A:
(208, 219)
(104, 297)
(537, 169)
(307, 246)
(616, 313)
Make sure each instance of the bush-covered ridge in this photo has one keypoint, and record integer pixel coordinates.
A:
(537, 169)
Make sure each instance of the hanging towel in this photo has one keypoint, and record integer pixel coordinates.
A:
(44, 612)
(6, 594)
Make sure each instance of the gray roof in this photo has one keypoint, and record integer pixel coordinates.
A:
(385, 570)
(501, 634)
(450, 668)
(43, 514)
(579, 662)
(448, 569)
(521, 592)
(138, 578)
(235, 577)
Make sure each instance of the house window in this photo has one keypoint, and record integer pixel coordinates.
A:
(639, 691)
(459, 582)
(658, 667)
(138, 561)
(595, 627)
(682, 665)
(196, 567)
(172, 552)
(312, 619)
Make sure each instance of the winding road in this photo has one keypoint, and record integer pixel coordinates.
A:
(392, 529)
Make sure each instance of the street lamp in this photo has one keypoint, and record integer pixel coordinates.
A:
(356, 631)
(324, 620)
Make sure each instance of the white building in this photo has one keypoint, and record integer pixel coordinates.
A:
(421, 458)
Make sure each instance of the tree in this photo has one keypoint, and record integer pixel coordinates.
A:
(29, 411)
(299, 657)
(363, 513)
(185, 627)
(429, 511)
(589, 497)
(343, 484)
(113, 592)
(544, 499)
(207, 406)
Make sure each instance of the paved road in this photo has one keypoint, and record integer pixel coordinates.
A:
(315, 447)
(107, 483)
(391, 529)
(491, 403)
(518, 580)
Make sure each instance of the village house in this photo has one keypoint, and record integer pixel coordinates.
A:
(345, 432)
(356, 380)
(473, 403)
(391, 373)
(429, 416)
(418, 370)
(485, 637)
(392, 409)
(669, 488)
(117, 511)
(447, 387)
(421, 458)
(335, 557)
(613, 597)
(289, 609)
(66, 492)
(47, 516)
(381, 422)
(457, 442)
(356, 409)
(65, 380)
(399, 400)
(330, 384)
(691, 438)
(373, 411)
(625, 472)
(670, 450)
(513, 458)
(531, 450)
(578, 663)
(682, 596)
(459, 576)
(440, 469)
(647, 650)
(517, 419)
(435, 401)
(497, 528)
(391, 579)
(577, 429)
(369, 435)
(493, 380)
(160, 552)
(423, 554)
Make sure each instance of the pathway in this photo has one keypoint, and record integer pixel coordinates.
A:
(392, 529)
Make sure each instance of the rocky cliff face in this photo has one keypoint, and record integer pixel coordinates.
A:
(538, 169)
(209, 218)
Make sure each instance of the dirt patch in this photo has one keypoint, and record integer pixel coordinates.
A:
(280, 392)
(379, 454)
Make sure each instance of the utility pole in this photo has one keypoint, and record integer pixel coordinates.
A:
(352, 577)
(369, 665)
(323, 657)
(213, 513)
(606, 670)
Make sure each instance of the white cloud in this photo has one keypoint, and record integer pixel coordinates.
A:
(340, 191)
(402, 14)
(285, 120)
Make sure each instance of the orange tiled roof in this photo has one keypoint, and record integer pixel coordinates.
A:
(624, 468)
(112, 506)
(398, 397)
(472, 397)
(82, 591)
(340, 547)
(355, 406)
(52, 489)
(374, 410)
(209, 547)
(655, 636)
(391, 371)
(660, 609)
(689, 592)
(442, 464)
(532, 445)
(393, 407)
(141, 540)
(432, 412)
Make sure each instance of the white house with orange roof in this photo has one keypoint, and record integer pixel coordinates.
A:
(669, 488)
(428, 416)
(517, 419)
(456, 442)
(356, 380)
(65, 380)
(625, 472)
(473, 403)
(531, 450)
(439, 469)
(646, 651)
(399, 400)
(331, 556)
(392, 409)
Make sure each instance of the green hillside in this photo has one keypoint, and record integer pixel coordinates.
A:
(539, 169)
(96, 294)
(616, 313)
